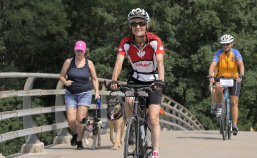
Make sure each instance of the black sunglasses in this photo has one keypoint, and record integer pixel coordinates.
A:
(227, 44)
(134, 24)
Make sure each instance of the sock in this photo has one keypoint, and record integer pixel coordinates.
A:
(220, 106)
(155, 154)
(234, 125)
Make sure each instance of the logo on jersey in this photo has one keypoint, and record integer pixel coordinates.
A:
(231, 59)
(120, 49)
(161, 48)
(141, 54)
(143, 65)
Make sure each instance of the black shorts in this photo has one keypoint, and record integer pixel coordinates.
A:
(235, 90)
(155, 97)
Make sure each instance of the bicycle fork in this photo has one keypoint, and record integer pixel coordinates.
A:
(135, 114)
(228, 109)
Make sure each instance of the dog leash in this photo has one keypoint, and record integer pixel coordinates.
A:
(98, 105)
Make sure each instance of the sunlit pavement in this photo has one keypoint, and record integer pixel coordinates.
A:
(174, 144)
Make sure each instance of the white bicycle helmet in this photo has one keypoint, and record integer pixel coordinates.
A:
(226, 39)
(139, 13)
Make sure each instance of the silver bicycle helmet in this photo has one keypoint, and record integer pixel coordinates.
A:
(139, 13)
(226, 39)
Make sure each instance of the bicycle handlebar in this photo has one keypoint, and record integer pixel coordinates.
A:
(218, 78)
(127, 87)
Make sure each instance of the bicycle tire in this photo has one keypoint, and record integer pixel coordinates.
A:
(131, 147)
(141, 141)
(230, 125)
(148, 148)
(229, 130)
(224, 120)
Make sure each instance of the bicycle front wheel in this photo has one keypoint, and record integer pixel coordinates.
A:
(224, 120)
(229, 130)
(147, 142)
(131, 147)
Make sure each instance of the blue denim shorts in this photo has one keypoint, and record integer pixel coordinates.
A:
(73, 100)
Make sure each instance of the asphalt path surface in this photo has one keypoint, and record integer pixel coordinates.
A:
(174, 144)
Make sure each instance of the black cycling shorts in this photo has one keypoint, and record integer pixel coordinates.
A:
(155, 97)
(235, 90)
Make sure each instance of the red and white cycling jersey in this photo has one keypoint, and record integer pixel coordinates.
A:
(143, 62)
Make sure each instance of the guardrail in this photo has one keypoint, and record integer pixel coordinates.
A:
(177, 117)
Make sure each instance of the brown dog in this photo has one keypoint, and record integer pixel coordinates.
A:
(117, 119)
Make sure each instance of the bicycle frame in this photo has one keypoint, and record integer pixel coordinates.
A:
(137, 116)
(226, 122)
(137, 119)
(227, 97)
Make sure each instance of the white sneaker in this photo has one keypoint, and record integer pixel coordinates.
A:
(155, 154)
(218, 112)
(213, 108)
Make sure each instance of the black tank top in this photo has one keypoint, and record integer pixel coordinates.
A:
(80, 76)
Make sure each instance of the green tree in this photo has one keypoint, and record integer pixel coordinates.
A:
(34, 34)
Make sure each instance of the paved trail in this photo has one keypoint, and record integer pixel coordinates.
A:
(174, 144)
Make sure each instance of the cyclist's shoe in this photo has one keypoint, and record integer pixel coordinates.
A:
(131, 135)
(213, 108)
(234, 130)
(218, 112)
(73, 141)
(155, 154)
(79, 145)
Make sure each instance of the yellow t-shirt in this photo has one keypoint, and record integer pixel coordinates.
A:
(227, 66)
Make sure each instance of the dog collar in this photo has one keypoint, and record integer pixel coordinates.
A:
(92, 128)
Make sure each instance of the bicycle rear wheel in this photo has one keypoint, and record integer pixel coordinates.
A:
(224, 120)
(131, 147)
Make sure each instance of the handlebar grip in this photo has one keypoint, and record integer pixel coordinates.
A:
(110, 83)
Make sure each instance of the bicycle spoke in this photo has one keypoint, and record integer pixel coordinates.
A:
(148, 143)
(130, 142)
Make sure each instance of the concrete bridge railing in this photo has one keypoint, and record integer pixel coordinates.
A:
(177, 117)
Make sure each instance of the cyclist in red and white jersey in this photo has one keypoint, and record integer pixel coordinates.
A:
(145, 53)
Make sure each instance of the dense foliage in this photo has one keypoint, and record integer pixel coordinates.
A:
(37, 36)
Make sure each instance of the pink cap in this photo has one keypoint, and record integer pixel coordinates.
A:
(80, 45)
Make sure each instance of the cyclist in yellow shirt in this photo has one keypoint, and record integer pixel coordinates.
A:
(228, 61)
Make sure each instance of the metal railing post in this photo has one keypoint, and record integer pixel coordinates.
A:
(63, 136)
(33, 144)
(28, 121)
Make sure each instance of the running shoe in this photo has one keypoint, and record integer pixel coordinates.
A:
(73, 140)
(79, 145)
(218, 112)
(213, 108)
(234, 130)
